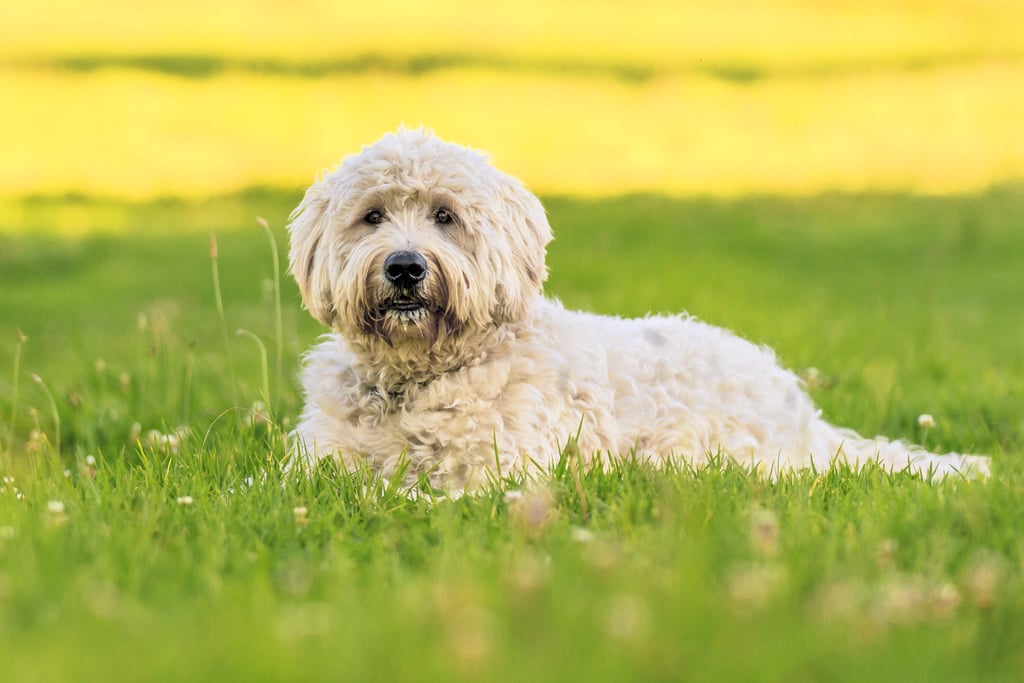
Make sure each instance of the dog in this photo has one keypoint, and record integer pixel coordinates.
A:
(447, 362)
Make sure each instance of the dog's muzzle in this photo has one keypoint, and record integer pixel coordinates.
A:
(406, 272)
(405, 269)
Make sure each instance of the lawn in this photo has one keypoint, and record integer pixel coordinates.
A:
(163, 543)
(841, 181)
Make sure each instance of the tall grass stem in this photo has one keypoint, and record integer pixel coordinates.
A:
(21, 338)
(223, 320)
(53, 409)
(264, 366)
(278, 324)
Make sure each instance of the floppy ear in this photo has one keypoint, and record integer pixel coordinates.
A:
(308, 256)
(525, 225)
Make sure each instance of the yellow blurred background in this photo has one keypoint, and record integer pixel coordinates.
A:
(196, 98)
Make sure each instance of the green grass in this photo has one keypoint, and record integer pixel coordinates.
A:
(905, 305)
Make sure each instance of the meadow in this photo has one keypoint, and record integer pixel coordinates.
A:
(839, 181)
(165, 542)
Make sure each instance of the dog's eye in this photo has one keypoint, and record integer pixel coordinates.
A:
(443, 217)
(374, 217)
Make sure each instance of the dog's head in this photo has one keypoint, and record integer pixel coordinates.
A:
(415, 239)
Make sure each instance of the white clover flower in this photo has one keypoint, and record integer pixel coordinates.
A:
(67, 474)
(925, 420)
(627, 617)
(8, 480)
(184, 500)
(259, 413)
(764, 532)
(945, 600)
(170, 441)
(582, 535)
(90, 460)
(55, 507)
(531, 510)
(300, 512)
(984, 580)
(514, 496)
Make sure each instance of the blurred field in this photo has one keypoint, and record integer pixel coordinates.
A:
(773, 35)
(791, 97)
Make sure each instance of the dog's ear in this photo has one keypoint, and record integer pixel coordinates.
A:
(308, 256)
(528, 233)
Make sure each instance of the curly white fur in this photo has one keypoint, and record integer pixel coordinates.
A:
(472, 369)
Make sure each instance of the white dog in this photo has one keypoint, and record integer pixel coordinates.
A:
(428, 262)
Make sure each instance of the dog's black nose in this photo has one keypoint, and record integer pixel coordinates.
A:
(405, 269)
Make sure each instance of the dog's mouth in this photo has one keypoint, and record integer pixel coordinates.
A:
(404, 314)
(405, 308)
(403, 304)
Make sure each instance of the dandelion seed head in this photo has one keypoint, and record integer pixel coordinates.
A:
(90, 460)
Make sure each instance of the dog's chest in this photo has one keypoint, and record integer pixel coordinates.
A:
(452, 410)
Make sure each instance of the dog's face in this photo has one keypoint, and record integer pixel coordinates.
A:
(414, 240)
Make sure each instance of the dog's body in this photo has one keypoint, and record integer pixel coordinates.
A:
(428, 263)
